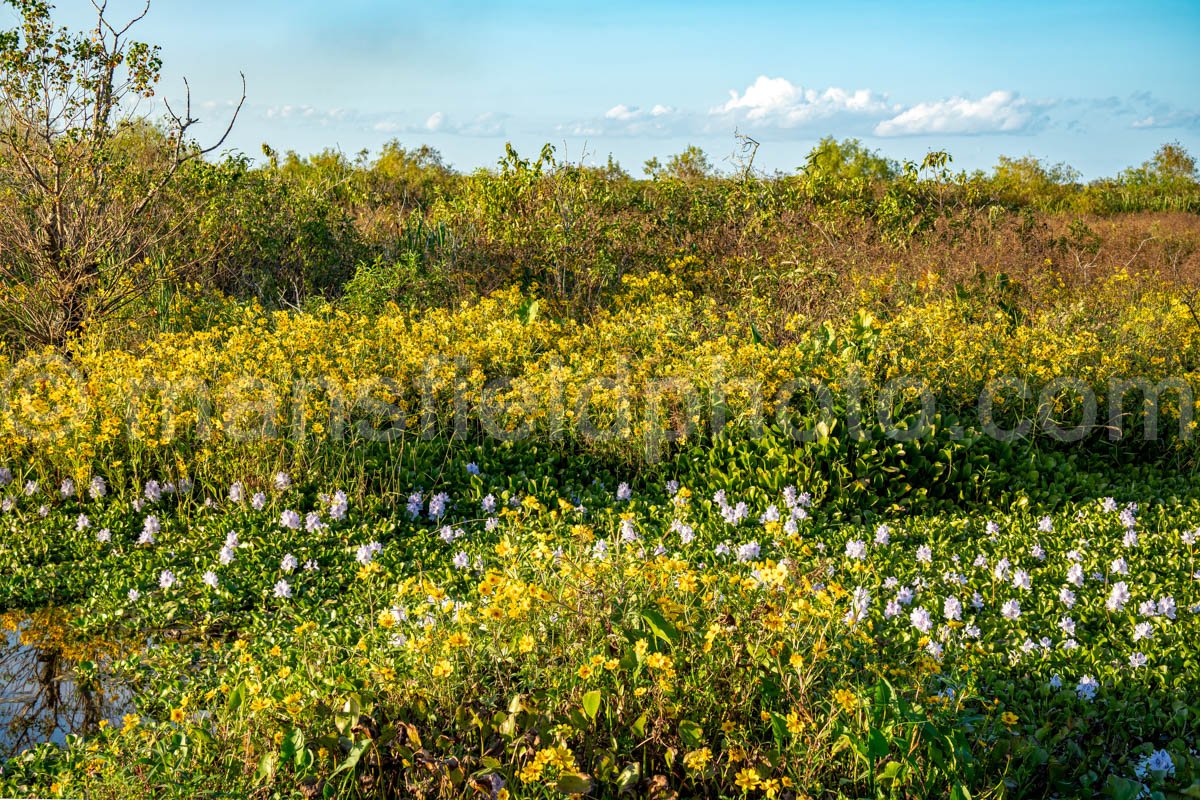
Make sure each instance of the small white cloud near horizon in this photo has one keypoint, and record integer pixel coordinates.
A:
(439, 122)
(1169, 118)
(306, 113)
(1001, 111)
(625, 113)
(627, 120)
(778, 101)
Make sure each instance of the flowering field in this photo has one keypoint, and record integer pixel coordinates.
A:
(494, 551)
(488, 641)
(332, 476)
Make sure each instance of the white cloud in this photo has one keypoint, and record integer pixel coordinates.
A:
(621, 113)
(624, 113)
(1149, 112)
(436, 120)
(767, 103)
(781, 103)
(307, 114)
(627, 120)
(998, 112)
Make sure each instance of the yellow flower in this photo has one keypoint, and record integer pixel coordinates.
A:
(177, 715)
(1008, 718)
(747, 779)
(698, 760)
(442, 669)
(658, 661)
(846, 699)
(526, 644)
(795, 725)
(585, 672)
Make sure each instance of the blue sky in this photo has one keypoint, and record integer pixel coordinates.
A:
(1097, 85)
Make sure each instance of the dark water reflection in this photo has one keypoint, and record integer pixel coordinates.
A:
(44, 697)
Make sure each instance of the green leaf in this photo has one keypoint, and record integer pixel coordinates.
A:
(659, 626)
(691, 733)
(1122, 788)
(877, 744)
(237, 697)
(528, 311)
(779, 728)
(591, 703)
(569, 783)
(627, 781)
(293, 743)
(891, 771)
(351, 760)
(266, 768)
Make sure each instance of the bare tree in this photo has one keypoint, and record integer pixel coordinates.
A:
(81, 184)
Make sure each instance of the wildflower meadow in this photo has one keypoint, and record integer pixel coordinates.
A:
(770, 477)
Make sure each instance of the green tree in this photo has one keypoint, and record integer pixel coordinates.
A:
(1030, 181)
(83, 174)
(848, 159)
(692, 164)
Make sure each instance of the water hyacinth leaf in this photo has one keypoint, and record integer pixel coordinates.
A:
(1118, 788)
